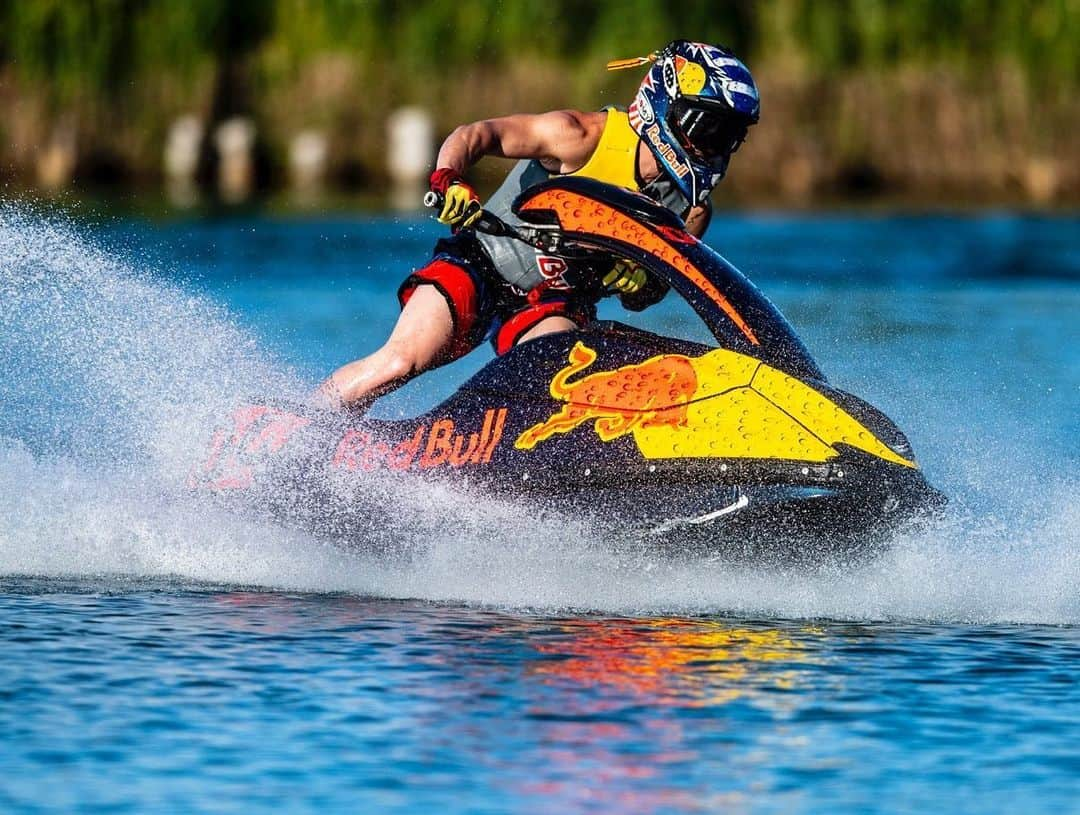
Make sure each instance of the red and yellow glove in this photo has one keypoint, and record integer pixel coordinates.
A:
(637, 289)
(625, 277)
(461, 204)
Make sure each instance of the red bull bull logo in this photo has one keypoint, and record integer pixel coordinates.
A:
(719, 405)
(653, 393)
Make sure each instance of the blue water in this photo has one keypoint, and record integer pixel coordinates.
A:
(161, 656)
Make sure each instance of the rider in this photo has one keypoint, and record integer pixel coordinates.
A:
(673, 144)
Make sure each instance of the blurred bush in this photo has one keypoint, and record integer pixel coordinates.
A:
(957, 97)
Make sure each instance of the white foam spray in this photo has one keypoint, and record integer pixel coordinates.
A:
(110, 379)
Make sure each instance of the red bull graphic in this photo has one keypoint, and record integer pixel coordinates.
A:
(651, 394)
(427, 448)
(719, 405)
(257, 429)
(677, 164)
(259, 432)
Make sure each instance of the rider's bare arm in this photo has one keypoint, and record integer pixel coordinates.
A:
(561, 140)
(697, 220)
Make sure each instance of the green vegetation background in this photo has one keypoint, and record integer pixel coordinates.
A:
(939, 97)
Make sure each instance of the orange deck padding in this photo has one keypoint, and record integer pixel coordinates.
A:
(578, 213)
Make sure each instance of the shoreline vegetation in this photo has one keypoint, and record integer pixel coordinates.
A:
(964, 101)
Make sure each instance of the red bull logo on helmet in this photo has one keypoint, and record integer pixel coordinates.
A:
(678, 166)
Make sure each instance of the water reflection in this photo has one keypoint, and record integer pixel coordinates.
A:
(649, 715)
(609, 732)
(675, 661)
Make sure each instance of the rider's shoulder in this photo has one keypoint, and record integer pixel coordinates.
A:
(568, 137)
(585, 122)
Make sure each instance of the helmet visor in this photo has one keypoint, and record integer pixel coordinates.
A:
(709, 131)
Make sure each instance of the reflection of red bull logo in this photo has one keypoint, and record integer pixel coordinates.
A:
(653, 393)
(663, 659)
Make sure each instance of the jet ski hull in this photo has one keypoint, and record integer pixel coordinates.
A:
(649, 440)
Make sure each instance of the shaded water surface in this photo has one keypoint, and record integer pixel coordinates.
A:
(227, 699)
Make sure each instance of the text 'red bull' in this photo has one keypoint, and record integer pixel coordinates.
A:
(427, 448)
(259, 432)
(653, 393)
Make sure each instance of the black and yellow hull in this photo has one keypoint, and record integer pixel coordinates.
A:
(651, 440)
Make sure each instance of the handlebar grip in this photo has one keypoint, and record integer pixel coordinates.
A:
(435, 200)
(487, 223)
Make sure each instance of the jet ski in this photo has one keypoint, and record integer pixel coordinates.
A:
(742, 448)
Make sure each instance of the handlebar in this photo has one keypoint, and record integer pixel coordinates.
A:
(487, 223)
(547, 240)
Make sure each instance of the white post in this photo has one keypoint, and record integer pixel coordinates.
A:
(308, 158)
(56, 160)
(181, 160)
(410, 151)
(235, 142)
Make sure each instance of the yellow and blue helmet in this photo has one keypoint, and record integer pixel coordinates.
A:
(693, 110)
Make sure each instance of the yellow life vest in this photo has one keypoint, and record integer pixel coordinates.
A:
(614, 161)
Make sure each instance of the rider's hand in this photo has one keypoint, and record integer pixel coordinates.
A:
(625, 277)
(461, 204)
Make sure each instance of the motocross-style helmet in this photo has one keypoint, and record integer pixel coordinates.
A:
(693, 110)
